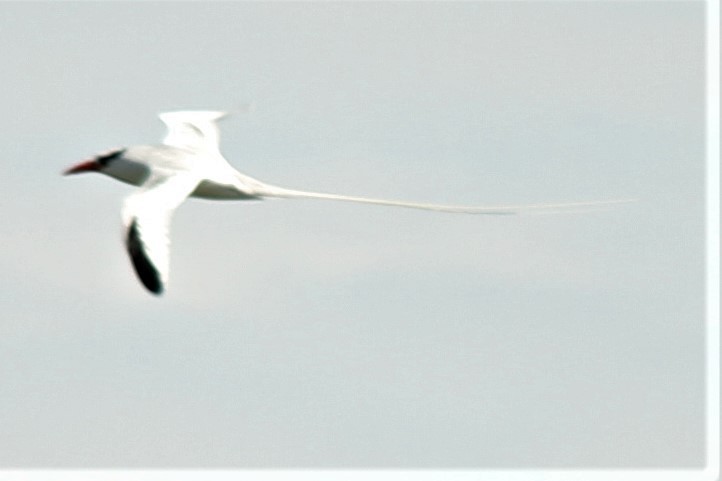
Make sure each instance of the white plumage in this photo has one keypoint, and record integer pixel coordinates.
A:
(189, 163)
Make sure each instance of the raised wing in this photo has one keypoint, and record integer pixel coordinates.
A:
(194, 130)
(146, 216)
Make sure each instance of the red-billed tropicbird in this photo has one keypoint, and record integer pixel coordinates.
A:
(189, 163)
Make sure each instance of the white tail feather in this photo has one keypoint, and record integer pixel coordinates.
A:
(457, 209)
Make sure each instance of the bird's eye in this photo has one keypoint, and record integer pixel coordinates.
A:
(106, 157)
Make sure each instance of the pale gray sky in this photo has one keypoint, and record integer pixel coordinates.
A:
(311, 334)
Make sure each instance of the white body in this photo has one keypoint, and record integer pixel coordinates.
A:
(189, 163)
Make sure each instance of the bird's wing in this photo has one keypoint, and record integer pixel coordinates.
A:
(194, 130)
(146, 217)
(272, 191)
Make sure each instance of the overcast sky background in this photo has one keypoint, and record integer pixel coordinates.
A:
(328, 335)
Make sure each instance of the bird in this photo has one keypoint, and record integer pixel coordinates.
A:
(189, 163)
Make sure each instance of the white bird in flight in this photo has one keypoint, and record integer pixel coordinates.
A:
(189, 163)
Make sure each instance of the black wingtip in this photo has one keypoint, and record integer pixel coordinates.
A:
(144, 268)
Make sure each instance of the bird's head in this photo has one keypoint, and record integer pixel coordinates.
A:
(97, 163)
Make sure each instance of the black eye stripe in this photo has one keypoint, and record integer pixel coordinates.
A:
(104, 158)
